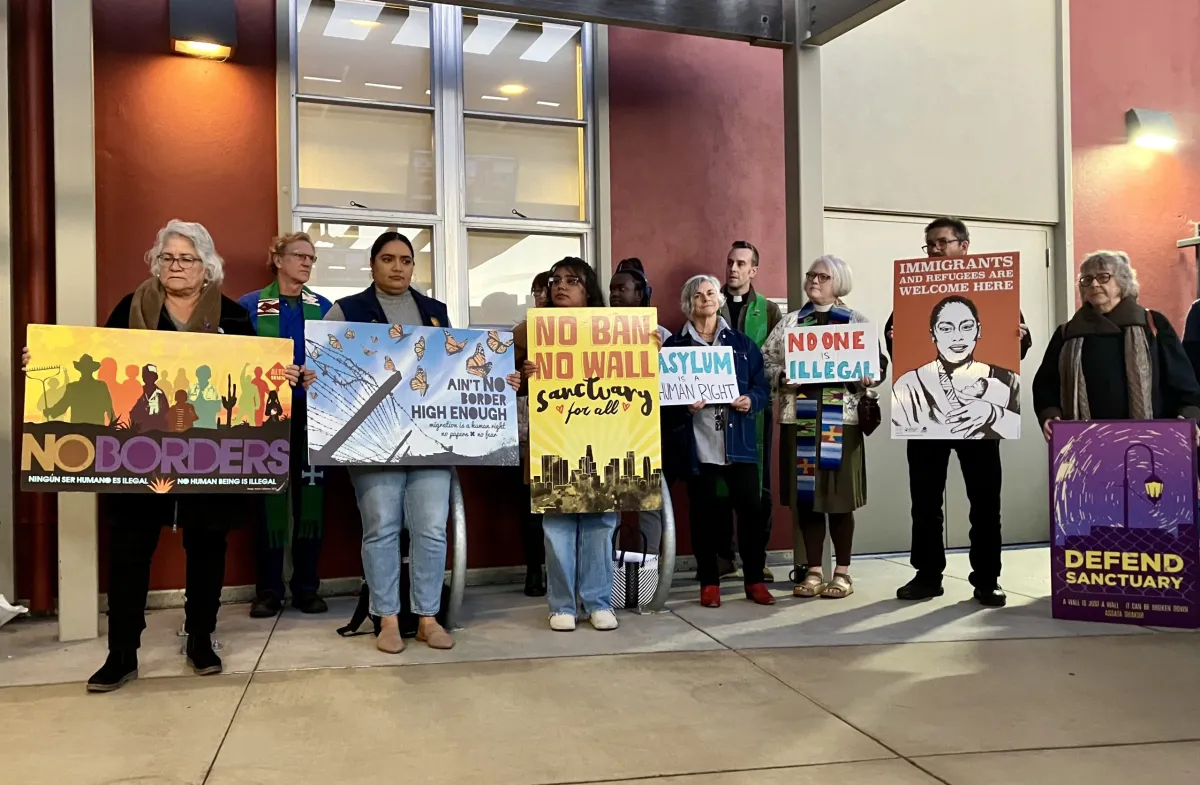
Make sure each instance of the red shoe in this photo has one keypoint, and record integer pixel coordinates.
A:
(760, 594)
(710, 596)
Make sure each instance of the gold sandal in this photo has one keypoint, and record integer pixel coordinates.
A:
(841, 587)
(812, 585)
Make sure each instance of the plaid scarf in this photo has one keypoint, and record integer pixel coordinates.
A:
(818, 444)
(312, 493)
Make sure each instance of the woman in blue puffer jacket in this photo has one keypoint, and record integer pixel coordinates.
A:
(703, 442)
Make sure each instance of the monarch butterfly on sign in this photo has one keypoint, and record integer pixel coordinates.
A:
(495, 344)
(349, 334)
(335, 343)
(453, 346)
(315, 352)
(476, 363)
(374, 339)
(419, 348)
(397, 332)
(313, 394)
(388, 365)
(368, 352)
(420, 382)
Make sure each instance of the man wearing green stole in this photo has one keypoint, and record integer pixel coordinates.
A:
(749, 313)
(280, 311)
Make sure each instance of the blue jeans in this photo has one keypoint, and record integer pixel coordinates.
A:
(579, 561)
(388, 500)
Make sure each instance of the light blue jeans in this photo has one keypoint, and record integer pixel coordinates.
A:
(389, 500)
(579, 561)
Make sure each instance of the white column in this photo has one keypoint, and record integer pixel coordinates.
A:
(9, 377)
(805, 184)
(75, 282)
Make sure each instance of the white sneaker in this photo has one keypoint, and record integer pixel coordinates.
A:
(562, 622)
(604, 620)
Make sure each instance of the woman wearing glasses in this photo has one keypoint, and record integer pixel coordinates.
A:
(1114, 360)
(182, 295)
(280, 311)
(821, 478)
(579, 565)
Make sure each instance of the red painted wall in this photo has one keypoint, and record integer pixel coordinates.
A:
(1127, 198)
(697, 162)
(183, 138)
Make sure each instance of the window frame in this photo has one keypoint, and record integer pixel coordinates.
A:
(450, 222)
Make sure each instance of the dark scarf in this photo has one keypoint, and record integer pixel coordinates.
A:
(147, 307)
(1128, 319)
(813, 453)
(312, 492)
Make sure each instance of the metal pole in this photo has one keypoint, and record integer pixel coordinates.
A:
(666, 553)
(458, 564)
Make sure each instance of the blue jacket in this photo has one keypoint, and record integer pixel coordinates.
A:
(291, 325)
(365, 307)
(741, 435)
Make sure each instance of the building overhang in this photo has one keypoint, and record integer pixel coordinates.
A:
(776, 23)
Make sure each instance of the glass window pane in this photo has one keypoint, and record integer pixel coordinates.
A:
(536, 170)
(381, 159)
(502, 269)
(344, 256)
(362, 49)
(522, 67)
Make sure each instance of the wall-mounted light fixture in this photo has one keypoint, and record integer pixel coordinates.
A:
(1151, 129)
(203, 28)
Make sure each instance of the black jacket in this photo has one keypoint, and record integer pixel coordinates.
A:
(234, 319)
(1174, 389)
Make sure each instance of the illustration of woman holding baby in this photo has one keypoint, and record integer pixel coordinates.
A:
(957, 396)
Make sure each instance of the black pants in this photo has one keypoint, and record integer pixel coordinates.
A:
(724, 512)
(928, 462)
(134, 532)
(742, 481)
(306, 551)
(533, 541)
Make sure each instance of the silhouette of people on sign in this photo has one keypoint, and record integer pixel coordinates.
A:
(53, 394)
(182, 382)
(149, 413)
(182, 415)
(127, 392)
(251, 404)
(108, 375)
(263, 387)
(87, 398)
(164, 384)
(274, 409)
(205, 398)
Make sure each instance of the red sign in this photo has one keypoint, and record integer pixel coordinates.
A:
(275, 374)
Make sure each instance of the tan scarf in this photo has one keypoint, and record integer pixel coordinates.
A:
(1129, 319)
(148, 301)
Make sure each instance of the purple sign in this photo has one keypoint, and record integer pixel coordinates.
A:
(1123, 504)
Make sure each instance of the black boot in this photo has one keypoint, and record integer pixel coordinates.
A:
(120, 667)
(535, 581)
(265, 606)
(201, 657)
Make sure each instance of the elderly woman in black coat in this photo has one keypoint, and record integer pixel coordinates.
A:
(1114, 360)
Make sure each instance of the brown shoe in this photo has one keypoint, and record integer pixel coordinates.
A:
(389, 640)
(433, 635)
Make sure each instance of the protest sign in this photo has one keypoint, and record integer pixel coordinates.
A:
(409, 396)
(833, 354)
(149, 411)
(956, 348)
(688, 374)
(1123, 507)
(594, 443)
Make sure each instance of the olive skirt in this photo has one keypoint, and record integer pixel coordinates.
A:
(843, 490)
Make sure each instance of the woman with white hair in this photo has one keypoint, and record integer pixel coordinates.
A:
(182, 294)
(1114, 360)
(709, 442)
(822, 454)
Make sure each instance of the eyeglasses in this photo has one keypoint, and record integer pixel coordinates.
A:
(940, 245)
(304, 257)
(818, 277)
(565, 280)
(184, 262)
(1100, 278)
